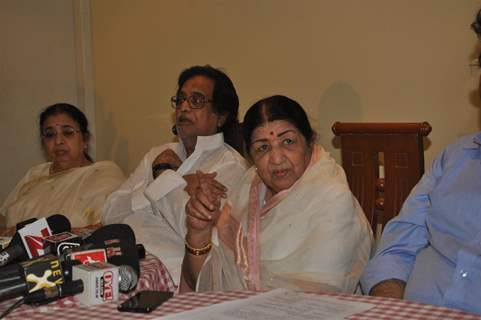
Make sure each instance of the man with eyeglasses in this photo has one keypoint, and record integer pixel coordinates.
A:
(152, 201)
(431, 252)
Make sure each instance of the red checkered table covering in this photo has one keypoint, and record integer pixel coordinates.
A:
(392, 309)
(153, 276)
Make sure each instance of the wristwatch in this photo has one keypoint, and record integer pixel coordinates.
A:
(159, 167)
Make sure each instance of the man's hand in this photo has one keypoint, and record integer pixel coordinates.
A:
(392, 288)
(195, 180)
(203, 207)
(167, 156)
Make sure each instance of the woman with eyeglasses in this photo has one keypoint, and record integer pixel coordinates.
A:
(71, 183)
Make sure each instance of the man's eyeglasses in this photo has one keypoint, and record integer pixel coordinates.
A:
(196, 100)
(67, 132)
(475, 64)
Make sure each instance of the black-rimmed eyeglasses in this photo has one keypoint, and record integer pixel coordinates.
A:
(196, 100)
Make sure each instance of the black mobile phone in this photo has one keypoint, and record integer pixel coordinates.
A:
(145, 301)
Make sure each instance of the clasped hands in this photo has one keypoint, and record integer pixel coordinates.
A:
(205, 193)
(203, 207)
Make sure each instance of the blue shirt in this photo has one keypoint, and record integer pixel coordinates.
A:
(434, 245)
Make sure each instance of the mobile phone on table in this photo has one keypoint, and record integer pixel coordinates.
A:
(145, 301)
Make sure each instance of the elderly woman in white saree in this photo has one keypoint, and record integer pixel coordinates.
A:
(293, 222)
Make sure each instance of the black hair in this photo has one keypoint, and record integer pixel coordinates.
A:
(276, 108)
(224, 96)
(74, 113)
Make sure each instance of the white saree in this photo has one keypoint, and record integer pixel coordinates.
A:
(77, 193)
(312, 237)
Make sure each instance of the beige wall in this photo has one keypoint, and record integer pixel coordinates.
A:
(372, 60)
(37, 68)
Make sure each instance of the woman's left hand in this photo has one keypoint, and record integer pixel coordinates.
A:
(203, 208)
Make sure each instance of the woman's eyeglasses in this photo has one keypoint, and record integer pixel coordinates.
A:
(66, 131)
(196, 100)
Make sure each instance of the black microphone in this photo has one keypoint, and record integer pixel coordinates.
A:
(47, 295)
(118, 240)
(17, 251)
(17, 241)
(13, 283)
(35, 274)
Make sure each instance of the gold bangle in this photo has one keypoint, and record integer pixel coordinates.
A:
(198, 251)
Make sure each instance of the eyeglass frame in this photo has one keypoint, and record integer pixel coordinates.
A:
(174, 103)
(62, 131)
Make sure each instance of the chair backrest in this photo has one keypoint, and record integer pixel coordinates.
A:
(383, 162)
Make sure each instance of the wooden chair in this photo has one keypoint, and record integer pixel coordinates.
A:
(383, 162)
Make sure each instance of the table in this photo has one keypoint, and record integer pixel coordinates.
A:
(392, 309)
(386, 308)
(155, 277)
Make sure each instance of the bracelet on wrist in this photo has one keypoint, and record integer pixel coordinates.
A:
(198, 251)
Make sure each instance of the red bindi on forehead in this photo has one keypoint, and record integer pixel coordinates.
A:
(272, 133)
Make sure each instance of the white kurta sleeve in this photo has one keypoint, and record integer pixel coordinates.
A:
(129, 198)
(171, 198)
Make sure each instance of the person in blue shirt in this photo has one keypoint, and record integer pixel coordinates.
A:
(431, 252)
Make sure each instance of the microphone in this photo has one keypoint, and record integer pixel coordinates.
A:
(127, 278)
(127, 281)
(61, 242)
(50, 294)
(118, 240)
(32, 235)
(27, 242)
(101, 282)
(35, 274)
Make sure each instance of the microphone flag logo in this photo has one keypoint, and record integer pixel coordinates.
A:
(42, 272)
(32, 237)
(106, 290)
(89, 256)
(40, 282)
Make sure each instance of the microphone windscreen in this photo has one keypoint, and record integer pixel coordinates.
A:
(119, 243)
(58, 223)
(127, 278)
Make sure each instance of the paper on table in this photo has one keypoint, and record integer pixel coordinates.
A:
(278, 304)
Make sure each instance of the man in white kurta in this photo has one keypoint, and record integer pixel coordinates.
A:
(311, 237)
(155, 208)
